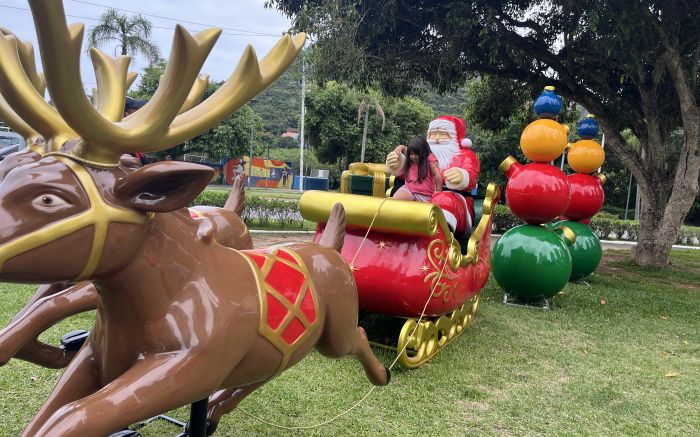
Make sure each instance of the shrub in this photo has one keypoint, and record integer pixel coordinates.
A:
(504, 219)
(259, 211)
(605, 225)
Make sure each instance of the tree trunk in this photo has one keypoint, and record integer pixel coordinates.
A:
(662, 213)
(364, 136)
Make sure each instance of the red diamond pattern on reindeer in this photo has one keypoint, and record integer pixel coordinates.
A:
(289, 299)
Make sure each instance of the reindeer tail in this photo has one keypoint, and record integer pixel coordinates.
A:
(236, 200)
(334, 234)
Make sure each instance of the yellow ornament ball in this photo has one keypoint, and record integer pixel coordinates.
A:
(544, 140)
(585, 156)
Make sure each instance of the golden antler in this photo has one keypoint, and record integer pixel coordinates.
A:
(111, 75)
(16, 123)
(130, 78)
(24, 99)
(156, 126)
(246, 82)
(105, 141)
(196, 93)
(7, 114)
(26, 55)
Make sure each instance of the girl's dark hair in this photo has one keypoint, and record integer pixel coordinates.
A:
(420, 147)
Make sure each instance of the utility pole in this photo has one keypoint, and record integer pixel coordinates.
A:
(301, 131)
(252, 140)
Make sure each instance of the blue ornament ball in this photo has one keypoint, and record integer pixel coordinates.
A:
(587, 128)
(548, 104)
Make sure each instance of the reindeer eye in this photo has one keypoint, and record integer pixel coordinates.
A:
(48, 201)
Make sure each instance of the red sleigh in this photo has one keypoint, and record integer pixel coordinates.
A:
(410, 264)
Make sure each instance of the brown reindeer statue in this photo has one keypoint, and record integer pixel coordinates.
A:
(180, 316)
(53, 302)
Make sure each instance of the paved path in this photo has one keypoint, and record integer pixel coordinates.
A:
(268, 238)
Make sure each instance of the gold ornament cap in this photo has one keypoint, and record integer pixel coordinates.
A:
(506, 164)
(567, 233)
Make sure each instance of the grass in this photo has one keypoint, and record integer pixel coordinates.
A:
(597, 364)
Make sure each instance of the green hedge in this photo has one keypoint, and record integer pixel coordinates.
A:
(259, 211)
(604, 225)
(264, 212)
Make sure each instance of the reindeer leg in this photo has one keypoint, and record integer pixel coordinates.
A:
(79, 380)
(376, 372)
(153, 385)
(225, 401)
(41, 292)
(45, 312)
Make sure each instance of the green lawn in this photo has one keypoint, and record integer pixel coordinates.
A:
(618, 356)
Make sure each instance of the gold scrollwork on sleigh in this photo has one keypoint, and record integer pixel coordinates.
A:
(419, 342)
(443, 280)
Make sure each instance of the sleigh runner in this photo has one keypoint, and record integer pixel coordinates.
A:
(410, 263)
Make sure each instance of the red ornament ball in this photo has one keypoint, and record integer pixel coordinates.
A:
(587, 196)
(537, 193)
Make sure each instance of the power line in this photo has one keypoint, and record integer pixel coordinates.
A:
(251, 32)
(155, 27)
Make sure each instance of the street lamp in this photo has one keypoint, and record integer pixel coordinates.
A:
(252, 136)
(301, 133)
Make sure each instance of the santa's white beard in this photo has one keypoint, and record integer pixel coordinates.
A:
(444, 151)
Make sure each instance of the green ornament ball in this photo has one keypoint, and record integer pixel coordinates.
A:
(586, 252)
(531, 262)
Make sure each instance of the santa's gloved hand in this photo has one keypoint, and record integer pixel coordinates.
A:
(454, 178)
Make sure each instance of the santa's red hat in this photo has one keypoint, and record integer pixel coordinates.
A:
(454, 126)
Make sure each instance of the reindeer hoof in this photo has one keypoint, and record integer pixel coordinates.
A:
(388, 375)
(211, 427)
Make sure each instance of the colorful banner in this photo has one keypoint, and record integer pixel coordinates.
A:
(266, 173)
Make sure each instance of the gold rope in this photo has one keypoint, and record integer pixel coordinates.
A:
(83, 160)
(358, 403)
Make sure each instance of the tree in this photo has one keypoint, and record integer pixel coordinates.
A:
(330, 123)
(132, 32)
(335, 135)
(367, 103)
(635, 64)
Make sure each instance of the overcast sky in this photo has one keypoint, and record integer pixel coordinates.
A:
(244, 22)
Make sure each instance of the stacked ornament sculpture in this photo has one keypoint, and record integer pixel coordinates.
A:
(585, 157)
(532, 262)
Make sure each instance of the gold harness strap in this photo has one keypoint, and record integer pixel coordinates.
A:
(100, 215)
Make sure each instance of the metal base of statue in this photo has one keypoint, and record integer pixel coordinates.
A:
(542, 304)
(196, 427)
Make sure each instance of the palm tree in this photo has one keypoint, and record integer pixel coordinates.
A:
(133, 32)
(367, 103)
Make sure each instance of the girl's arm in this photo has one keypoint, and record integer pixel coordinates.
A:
(437, 177)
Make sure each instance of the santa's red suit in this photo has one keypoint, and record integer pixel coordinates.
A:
(446, 136)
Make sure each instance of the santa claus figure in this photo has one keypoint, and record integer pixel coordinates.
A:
(459, 167)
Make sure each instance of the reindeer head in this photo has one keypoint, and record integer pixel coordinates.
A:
(70, 200)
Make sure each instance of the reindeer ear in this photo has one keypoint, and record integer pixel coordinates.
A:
(163, 186)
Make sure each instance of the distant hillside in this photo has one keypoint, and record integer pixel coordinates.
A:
(280, 104)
